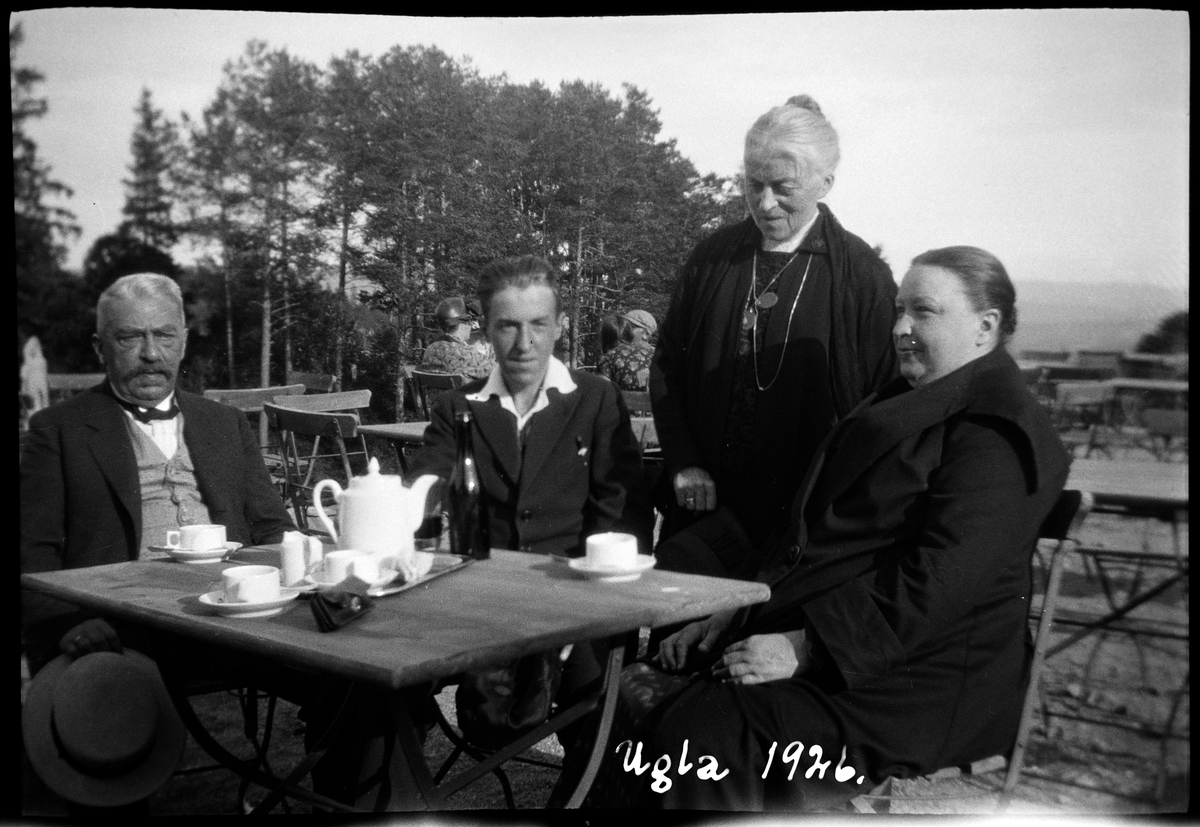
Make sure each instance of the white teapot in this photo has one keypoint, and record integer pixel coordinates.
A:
(376, 513)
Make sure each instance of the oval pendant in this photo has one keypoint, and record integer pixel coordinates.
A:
(767, 300)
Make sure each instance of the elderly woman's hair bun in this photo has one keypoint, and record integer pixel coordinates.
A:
(805, 102)
(801, 128)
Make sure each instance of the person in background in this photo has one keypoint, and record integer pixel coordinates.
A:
(35, 380)
(627, 364)
(452, 351)
(896, 636)
(778, 326)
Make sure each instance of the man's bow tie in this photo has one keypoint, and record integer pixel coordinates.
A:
(146, 415)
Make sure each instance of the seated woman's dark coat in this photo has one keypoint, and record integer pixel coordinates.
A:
(908, 563)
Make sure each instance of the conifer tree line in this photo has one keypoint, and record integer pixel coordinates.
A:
(333, 207)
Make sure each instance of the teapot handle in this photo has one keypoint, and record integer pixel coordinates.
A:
(321, 515)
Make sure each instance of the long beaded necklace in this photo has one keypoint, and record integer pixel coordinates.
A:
(767, 299)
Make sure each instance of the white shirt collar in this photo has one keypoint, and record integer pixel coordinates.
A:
(557, 376)
(792, 244)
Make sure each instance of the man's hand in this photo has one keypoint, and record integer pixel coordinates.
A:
(695, 490)
(93, 635)
(673, 651)
(762, 658)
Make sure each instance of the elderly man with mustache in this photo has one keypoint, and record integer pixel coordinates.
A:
(105, 474)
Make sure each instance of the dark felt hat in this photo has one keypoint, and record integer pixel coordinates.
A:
(451, 311)
(100, 730)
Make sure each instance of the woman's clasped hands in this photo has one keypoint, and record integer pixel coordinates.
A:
(756, 659)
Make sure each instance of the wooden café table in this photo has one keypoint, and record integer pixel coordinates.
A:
(1141, 489)
(484, 614)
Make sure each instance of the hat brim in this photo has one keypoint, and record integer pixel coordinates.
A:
(81, 787)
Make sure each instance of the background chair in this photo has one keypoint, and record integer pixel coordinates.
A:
(312, 382)
(1060, 528)
(63, 385)
(1082, 412)
(250, 402)
(341, 401)
(1166, 433)
(316, 445)
(427, 386)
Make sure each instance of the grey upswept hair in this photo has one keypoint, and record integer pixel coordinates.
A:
(137, 286)
(800, 126)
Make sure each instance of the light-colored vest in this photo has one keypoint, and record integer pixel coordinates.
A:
(170, 493)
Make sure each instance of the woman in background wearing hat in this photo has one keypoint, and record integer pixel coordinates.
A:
(453, 351)
(627, 364)
(778, 326)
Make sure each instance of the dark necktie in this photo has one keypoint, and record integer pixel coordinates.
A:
(147, 415)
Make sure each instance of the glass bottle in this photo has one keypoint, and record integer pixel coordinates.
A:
(466, 508)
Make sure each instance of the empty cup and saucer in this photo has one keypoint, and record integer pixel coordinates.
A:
(250, 591)
(612, 557)
(198, 544)
(339, 568)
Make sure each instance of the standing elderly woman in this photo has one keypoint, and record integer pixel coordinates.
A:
(778, 326)
(896, 636)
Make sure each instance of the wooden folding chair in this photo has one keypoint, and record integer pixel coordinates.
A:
(312, 382)
(1083, 414)
(250, 402)
(339, 402)
(64, 385)
(315, 445)
(1166, 433)
(1060, 527)
(427, 386)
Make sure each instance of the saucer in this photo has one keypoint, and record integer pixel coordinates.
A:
(216, 601)
(422, 564)
(608, 574)
(208, 555)
(386, 576)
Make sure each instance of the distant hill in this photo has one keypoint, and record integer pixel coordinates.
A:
(1085, 316)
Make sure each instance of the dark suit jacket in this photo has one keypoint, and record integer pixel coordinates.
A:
(908, 562)
(81, 500)
(581, 472)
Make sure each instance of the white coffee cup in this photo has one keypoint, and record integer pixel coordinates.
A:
(336, 566)
(197, 537)
(612, 550)
(250, 584)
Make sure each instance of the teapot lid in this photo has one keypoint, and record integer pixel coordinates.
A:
(373, 480)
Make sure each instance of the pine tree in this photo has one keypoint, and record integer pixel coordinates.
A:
(148, 201)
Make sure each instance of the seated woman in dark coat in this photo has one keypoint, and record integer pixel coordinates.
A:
(895, 641)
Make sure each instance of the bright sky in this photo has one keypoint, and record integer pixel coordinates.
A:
(1058, 140)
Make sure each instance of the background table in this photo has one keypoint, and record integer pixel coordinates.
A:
(488, 613)
(402, 435)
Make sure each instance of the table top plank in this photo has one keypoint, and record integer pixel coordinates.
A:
(1132, 483)
(489, 612)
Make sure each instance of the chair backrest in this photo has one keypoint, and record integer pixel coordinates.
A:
(427, 386)
(1165, 422)
(312, 382)
(250, 400)
(1083, 393)
(62, 385)
(1061, 526)
(314, 445)
(637, 401)
(341, 401)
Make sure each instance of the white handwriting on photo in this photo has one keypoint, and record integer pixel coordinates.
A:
(708, 769)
